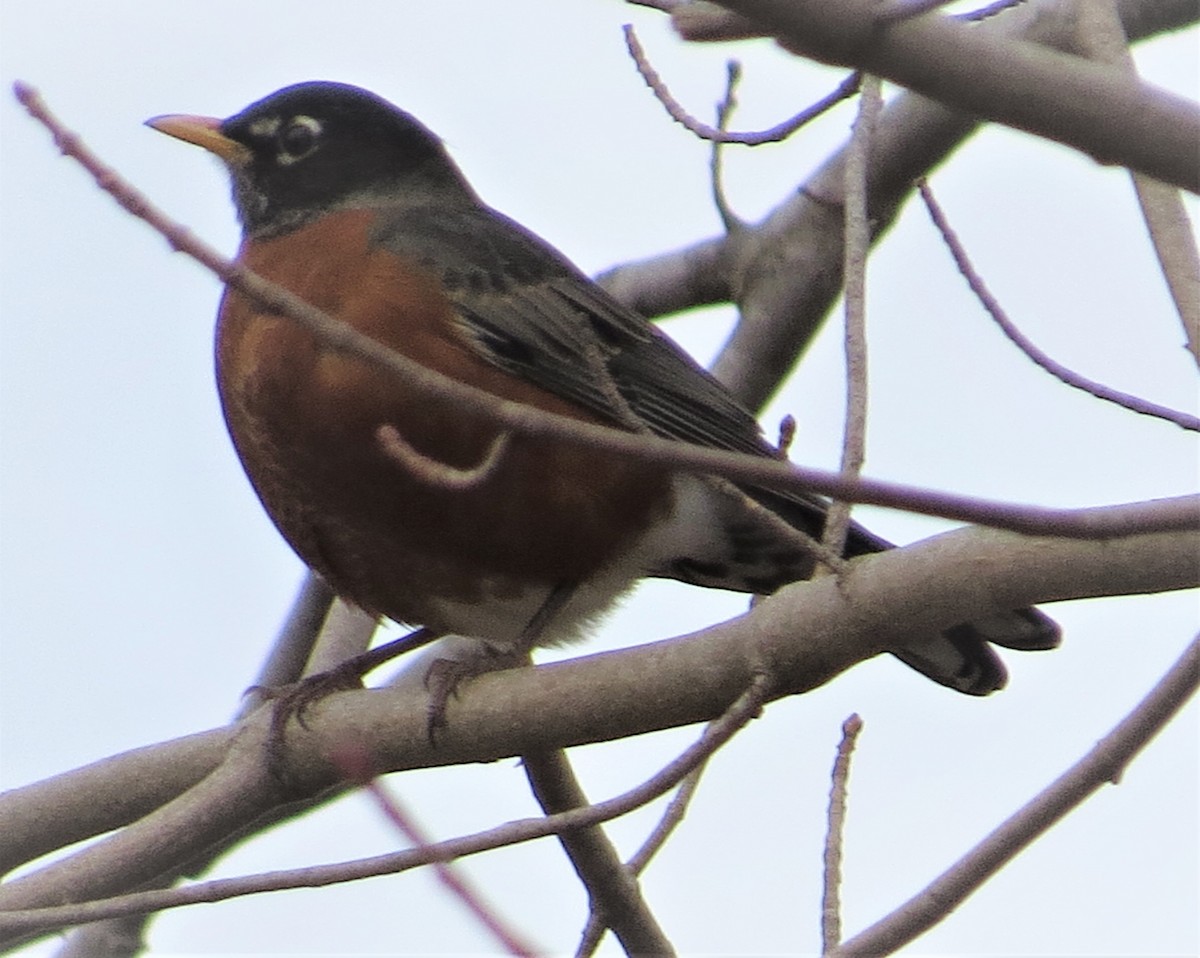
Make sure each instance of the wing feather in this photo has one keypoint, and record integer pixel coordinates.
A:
(530, 311)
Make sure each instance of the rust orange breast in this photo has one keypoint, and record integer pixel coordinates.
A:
(304, 419)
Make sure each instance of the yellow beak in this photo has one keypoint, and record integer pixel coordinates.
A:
(205, 132)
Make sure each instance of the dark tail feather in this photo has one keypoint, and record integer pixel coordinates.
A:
(961, 658)
(1026, 630)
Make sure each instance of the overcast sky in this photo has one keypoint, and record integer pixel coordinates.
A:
(140, 583)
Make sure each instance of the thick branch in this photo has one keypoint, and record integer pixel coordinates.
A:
(613, 891)
(803, 636)
(746, 707)
(38, 818)
(1094, 109)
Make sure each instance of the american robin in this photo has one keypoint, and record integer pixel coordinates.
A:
(355, 206)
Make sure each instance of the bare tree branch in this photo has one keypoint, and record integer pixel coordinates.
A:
(831, 909)
(615, 898)
(744, 707)
(718, 133)
(671, 819)
(990, 588)
(1103, 765)
(1095, 110)
(38, 818)
(806, 634)
(1027, 346)
(308, 625)
(785, 274)
(448, 875)
(857, 233)
(347, 633)
(1103, 39)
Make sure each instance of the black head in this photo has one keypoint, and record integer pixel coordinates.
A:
(313, 147)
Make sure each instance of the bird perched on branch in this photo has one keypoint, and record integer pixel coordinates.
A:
(413, 507)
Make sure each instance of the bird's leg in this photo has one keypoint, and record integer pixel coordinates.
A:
(559, 596)
(444, 675)
(297, 698)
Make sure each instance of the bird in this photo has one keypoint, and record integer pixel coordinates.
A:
(413, 508)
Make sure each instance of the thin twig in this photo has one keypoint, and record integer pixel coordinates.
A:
(846, 89)
(1102, 765)
(1022, 342)
(436, 473)
(989, 10)
(744, 709)
(733, 74)
(672, 818)
(356, 768)
(1174, 242)
(857, 244)
(1180, 513)
(831, 908)
(786, 436)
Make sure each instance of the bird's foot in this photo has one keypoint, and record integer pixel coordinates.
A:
(445, 675)
(295, 700)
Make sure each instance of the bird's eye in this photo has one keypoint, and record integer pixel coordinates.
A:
(298, 138)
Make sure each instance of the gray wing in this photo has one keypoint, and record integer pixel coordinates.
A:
(532, 313)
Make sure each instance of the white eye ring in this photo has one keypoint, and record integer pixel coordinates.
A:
(298, 139)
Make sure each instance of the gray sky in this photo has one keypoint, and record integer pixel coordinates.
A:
(141, 582)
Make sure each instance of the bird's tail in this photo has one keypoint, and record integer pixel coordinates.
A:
(962, 657)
